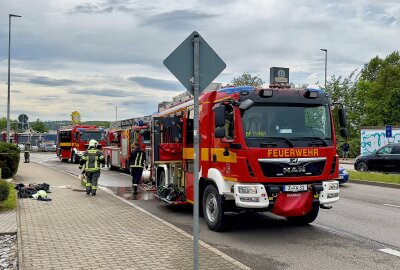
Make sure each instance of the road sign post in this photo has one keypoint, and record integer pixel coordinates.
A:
(195, 64)
(388, 132)
(196, 86)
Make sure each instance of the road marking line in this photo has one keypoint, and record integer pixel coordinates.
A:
(391, 251)
(392, 205)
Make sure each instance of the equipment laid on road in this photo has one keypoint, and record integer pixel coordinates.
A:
(73, 141)
(41, 195)
(27, 191)
(264, 149)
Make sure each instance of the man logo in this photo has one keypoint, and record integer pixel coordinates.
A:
(299, 169)
(294, 161)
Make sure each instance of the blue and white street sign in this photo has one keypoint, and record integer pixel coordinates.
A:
(388, 131)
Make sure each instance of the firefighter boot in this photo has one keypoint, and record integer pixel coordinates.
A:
(88, 189)
(94, 189)
(135, 191)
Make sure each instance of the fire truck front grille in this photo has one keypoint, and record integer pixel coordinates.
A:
(292, 167)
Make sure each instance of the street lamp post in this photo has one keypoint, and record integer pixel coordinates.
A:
(116, 113)
(9, 56)
(326, 60)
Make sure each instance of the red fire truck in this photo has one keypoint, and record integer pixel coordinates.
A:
(268, 149)
(119, 140)
(73, 141)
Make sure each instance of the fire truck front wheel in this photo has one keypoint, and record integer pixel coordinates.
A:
(307, 218)
(213, 210)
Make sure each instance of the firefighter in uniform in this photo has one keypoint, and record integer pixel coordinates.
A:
(92, 159)
(137, 161)
(27, 149)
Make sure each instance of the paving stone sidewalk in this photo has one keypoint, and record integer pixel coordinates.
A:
(76, 231)
(8, 222)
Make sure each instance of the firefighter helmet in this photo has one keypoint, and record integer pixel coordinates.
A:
(92, 143)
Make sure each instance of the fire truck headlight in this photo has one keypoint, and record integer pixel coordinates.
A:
(333, 186)
(246, 199)
(248, 190)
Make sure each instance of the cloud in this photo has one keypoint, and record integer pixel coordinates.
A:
(157, 83)
(43, 80)
(176, 20)
(376, 14)
(101, 92)
(91, 9)
(46, 98)
(105, 7)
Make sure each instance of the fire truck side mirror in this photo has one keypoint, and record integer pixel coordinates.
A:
(219, 116)
(219, 132)
(342, 117)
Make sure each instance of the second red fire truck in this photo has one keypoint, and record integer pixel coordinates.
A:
(73, 141)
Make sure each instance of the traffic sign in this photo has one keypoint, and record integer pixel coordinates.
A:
(180, 62)
(23, 118)
(388, 131)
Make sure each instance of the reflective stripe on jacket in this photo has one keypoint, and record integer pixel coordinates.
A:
(137, 159)
(92, 159)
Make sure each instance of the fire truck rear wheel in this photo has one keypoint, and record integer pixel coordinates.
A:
(213, 211)
(307, 218)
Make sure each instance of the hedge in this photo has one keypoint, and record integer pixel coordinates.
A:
(11, 202)
(9, 159)
(4, 190)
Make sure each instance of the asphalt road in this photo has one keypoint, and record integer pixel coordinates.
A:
(351, 235)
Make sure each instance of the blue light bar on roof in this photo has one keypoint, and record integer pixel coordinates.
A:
(238, 89)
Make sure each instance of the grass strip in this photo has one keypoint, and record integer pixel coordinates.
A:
(375, 177)
(11, 202)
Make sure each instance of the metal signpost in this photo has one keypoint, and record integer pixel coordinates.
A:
(388, 132)
(195, 64)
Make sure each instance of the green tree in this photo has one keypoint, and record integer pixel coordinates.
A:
(247, 79)
(379, 91)
(39, 126)
(3, 123)
(343, 90)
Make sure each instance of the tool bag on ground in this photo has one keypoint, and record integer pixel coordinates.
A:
(27, 191)
(171, 193)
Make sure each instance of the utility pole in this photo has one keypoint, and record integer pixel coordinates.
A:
(9, 60)
(326, 63)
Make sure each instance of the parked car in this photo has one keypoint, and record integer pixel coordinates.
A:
(343, 175)
(386, 159)
(21, 147)
(50, 148)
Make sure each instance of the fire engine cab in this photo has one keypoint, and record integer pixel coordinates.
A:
(270, 149)
(73, 141)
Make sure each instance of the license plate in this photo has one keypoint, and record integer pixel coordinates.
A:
(294, 188)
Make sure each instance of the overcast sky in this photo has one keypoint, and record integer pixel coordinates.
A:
(95, 55)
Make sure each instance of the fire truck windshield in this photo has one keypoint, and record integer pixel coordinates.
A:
(88, 135)
(287, 125)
